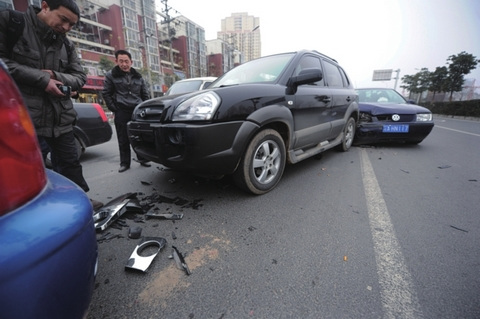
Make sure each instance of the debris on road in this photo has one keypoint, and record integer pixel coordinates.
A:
(143, 262)
(178, 257)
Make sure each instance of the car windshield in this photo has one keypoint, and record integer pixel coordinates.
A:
(265, 69)
(380, 96)
(184, 87)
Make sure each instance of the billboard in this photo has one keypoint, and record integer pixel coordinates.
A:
(382, 75)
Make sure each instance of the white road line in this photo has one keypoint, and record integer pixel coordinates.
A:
(451, 129)
(399, 297)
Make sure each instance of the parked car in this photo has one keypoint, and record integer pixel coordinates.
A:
(190, 85)
(48, 248)
(252, 120)
(91, 128)
(385, 116)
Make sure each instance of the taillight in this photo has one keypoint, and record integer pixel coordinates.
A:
(100, 111)
(22, 173)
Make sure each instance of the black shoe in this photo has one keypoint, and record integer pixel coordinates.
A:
(123, 168)
(96, 204)
(144, 163)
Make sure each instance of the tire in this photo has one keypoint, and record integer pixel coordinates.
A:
(263, 163)
(80, 148)
(348, 135)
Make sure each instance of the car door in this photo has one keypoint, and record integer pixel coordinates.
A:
(311, 126)
(342, 95)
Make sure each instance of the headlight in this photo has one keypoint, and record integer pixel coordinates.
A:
(424, 117)
(198, 108)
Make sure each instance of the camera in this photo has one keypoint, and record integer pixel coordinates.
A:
(65, 89)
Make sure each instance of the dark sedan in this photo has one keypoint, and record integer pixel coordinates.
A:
(385, 116)
(92, 126)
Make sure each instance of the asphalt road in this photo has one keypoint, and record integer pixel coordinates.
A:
(377, 232)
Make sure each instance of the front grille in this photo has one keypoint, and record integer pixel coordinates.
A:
(403, 118)
(151, 113)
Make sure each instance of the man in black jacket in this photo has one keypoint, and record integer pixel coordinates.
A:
(42, 60)
(124, 88)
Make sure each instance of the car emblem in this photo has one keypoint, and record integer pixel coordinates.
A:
(143, 113)
(396, 117)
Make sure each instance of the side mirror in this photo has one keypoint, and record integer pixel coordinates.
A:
(305, 76)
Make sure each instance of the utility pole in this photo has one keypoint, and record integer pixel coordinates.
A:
(168, 20)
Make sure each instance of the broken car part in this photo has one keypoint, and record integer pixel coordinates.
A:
(181, 264)
(114, 209)
(134, 232)
(143, 262)
(154, 214)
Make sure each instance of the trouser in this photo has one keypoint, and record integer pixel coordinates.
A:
(65, 158)
(121, 120)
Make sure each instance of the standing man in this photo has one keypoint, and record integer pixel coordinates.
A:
(42, 61)
(124, 88)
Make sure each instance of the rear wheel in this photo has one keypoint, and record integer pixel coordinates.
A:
(262, 164)
(348, 135)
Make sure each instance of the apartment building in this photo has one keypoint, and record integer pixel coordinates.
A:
(158, 50)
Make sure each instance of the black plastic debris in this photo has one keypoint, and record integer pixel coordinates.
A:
(465, 231)
(180, 261)
(444, 166)
(158, 215)
(139, 262)
(134, 232)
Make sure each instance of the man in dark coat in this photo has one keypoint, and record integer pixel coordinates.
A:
(41, 60)
(124, 88)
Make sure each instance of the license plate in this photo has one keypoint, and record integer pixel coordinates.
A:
(395, 128)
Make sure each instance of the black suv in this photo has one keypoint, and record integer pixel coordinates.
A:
(252, 120)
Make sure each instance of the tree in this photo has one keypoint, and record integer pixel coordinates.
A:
(438, 80)
(417, 83)
(458, 66)
(105, 64)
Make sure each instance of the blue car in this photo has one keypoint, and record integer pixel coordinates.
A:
(385, 116)
(48, 248)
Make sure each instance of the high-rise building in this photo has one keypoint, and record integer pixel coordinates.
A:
(242, 32)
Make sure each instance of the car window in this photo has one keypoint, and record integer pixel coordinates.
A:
(184, 87)
(332, 75)
(380, 96)
(260, 70)
(309, 62)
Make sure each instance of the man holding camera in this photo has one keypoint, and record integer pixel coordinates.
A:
(47, 70)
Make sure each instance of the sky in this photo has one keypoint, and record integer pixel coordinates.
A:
(362, 35)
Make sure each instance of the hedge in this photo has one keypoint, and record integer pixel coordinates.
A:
(469, 108)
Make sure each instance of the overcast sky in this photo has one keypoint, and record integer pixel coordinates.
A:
(362, 35)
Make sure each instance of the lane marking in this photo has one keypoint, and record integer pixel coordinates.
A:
(458, 131)
(399, 298)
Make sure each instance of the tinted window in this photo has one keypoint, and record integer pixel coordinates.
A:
(332, 75)
(309, 62)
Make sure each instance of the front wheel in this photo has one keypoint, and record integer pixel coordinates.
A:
(348, 135)
(262, 164)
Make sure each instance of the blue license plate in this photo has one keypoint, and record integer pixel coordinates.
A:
(395, 128)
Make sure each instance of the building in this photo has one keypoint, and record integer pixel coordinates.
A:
(190, 42)
(242, 32)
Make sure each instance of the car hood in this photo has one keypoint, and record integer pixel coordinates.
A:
(388, 108)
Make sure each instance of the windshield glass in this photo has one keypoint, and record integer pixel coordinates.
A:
(184, 87)
(261, 70)
(380, 96)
